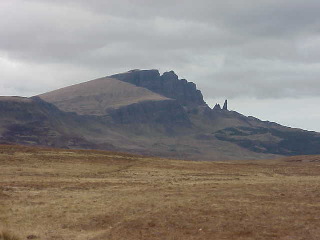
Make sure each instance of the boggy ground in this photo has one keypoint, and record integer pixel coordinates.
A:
(68, 194)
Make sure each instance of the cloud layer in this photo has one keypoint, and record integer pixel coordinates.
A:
(263, 50)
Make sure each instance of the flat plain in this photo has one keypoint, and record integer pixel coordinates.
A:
(80, 194)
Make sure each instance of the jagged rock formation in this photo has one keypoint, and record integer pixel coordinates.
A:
(168, 85)
(217, 107)
(225, 105)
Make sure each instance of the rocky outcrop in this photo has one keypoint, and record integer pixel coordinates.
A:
(225, 105)
(217, 107)
(168, 85)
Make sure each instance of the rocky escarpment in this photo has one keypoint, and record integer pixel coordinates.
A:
(168, 85)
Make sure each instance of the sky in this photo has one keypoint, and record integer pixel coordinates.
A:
(263, 56)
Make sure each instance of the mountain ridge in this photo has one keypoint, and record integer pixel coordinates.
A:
(141, 111)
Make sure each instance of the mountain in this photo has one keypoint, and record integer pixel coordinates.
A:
(141, 111)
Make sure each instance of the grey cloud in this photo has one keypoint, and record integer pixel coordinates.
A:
(263, 18)
(58, 31)
(262, 78)
(266, 49)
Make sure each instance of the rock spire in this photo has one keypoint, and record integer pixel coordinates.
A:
(225, 105)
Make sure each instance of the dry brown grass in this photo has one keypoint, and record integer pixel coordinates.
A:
(95, 96)
(65, 194)
(7, 236)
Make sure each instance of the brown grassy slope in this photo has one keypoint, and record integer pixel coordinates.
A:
(64, 194)
(94, 97)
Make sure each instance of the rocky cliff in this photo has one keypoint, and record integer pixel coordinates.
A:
(168, 85)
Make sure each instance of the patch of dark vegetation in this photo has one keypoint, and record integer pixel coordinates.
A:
(244, 131)
(32, 236)
(296, 142)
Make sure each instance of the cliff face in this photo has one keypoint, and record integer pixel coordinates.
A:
(168, 85)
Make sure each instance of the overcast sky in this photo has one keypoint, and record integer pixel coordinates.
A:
(263, 56)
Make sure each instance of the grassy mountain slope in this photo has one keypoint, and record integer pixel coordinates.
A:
(97, 96)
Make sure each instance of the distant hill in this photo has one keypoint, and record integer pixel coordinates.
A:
(141, 111)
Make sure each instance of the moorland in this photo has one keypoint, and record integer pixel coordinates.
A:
(85, 194)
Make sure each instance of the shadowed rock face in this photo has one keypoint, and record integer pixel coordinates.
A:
(168, 85)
